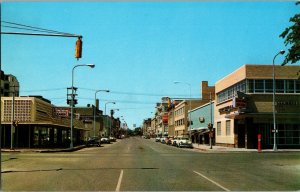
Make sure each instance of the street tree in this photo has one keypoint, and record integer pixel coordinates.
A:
(291, 36)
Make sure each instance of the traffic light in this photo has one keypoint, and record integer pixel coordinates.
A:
(78, 48)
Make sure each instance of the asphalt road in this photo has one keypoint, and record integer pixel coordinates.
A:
(137, 164)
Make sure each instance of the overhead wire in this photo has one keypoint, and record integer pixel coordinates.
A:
(31, 28)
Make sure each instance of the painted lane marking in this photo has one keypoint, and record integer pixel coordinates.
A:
(119, 181)
(224, 188)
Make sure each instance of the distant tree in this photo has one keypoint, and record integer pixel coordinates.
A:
(292, 37)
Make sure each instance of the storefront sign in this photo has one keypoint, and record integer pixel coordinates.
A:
(165, 118)
(61, 112)
(239, 103)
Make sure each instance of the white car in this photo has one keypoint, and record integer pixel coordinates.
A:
(175, 141)
(184, 142)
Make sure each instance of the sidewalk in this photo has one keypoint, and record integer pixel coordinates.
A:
(206, 148)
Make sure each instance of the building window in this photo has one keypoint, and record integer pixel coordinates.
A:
(269, 86)
(259, 86)
(218, 128)
(297, 86)
(250, 86)
(290, 86)
(279, 86)
(228, 127)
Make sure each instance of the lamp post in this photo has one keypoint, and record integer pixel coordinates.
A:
(274, 90)
(96, 109)
(105, 112)
(177, 82)
(72, 98)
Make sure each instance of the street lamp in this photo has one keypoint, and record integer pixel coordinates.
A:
(177, 82)
(96, 109)
(72, 98)
(274, 90)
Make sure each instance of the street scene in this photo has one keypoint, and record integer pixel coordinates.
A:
(150, 96)
(137, 164)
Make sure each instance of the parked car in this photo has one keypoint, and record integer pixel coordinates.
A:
(93, 141)
(163, 140)
(112, 139)
(157, 139)
(105, 140)
(185, 142)
(175, 141)
(146, 137)
(169, 141)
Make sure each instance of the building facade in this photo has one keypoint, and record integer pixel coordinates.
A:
(201, 118)
(244, 107)
(9, 85)
(161, 115)
(181, 115)
(33, 122)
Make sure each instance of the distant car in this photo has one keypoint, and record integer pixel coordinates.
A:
(146, 137)
(169, 141)
(175, 141)
(112, 139)
(157, 139)
(105, 140)
(184, 142)
(93, 141)
(163, 140)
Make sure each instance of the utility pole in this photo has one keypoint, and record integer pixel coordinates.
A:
(13, 123)
(211, 121)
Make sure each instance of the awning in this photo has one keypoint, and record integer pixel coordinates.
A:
(200, 131)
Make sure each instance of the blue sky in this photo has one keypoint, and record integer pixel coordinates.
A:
(139, 48)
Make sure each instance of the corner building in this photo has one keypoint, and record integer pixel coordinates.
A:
(244, 107)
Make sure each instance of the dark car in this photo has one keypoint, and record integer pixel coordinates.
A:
(93, 141)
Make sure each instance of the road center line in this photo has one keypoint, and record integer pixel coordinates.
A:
(224, 188)
(119, 181)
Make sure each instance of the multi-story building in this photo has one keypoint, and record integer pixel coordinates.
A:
(147, 130)
(161, 116)
(181, 116)
(244, 107)
(153, 126)
(9, 85)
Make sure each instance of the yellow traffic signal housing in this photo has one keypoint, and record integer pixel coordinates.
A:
(78, 48)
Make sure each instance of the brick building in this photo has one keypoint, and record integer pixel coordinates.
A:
(244, 103)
